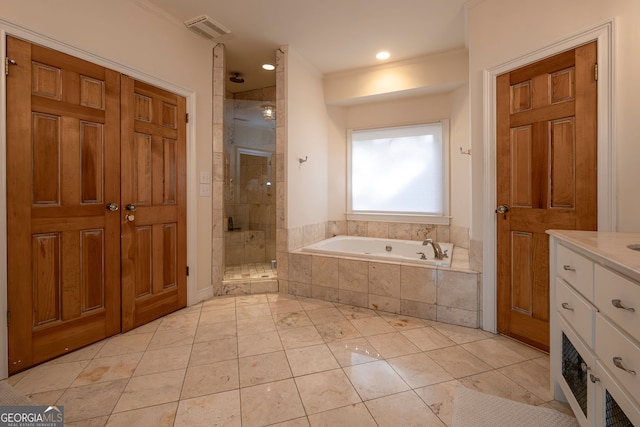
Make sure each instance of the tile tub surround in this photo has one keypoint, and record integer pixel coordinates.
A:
(449, 295)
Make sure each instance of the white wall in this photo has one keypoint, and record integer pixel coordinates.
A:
(396, 112)
(307, 137)
(501, 30)
(124, 33)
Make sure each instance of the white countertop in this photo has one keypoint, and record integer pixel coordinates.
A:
(609, 246)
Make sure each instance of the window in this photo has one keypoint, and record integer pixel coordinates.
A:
(399, 170)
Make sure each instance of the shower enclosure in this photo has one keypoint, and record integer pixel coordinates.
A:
(249, 190)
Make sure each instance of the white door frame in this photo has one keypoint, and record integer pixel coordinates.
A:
(604, 35)
(8, 28)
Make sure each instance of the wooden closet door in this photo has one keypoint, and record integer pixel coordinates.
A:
(154, 278)
(63, 169)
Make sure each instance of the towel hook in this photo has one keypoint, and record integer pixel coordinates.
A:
(301, 160)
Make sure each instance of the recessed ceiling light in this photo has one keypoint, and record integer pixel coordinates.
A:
(268, 67)
(383, 55)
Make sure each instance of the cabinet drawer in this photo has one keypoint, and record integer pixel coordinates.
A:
(613, 290)
(576, 310)
(619, 354)
(575, 270)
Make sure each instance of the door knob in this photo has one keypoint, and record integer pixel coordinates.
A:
(112, 207)
(131, 207)
(130, 217)
(503, 209)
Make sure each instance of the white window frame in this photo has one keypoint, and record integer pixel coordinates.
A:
(443, 219)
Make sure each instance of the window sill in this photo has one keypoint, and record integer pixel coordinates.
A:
(404, 218)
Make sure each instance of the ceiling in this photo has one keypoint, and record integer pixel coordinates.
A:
(332, 35)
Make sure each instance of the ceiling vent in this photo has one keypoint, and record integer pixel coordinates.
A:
(206, 27)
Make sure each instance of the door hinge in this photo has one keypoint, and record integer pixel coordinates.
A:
(187, 270)
(8, 62)
(595, 71)
(8, 318)
(186, 117)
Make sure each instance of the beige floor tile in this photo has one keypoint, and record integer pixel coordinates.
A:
(220, 409)
(147, 328)
(124, 344)
(347, 416)
(154, 416)
(351, 312)
(179, 320)
(461, 334)
(337, 331)
(285, 306)
(211, 378)
(263, 368)
(532, 376)
(270, 403)
(493, 382)
(374, 325)
(259, 344)
(150, 390)
(245, 300)
(277, 297)
(213, 351)
(427, 338)
(375, 379)
(559, 406)
(215, 331)
(404, 323)
(256, 325)
(298, 422)
(419, 370)
(458, 361)
(309, 360)
(439, 398)
(108, 369)
(172, 338)
(50, 377)
(354, 351)
(251, 311)
(90, 401)
(47, 398)
(164, 359)
(494, 352)
(93, 422)
(311, 304)
(520, 348)
(402, 409)
(392, 345)
(300, 337)
(218, 303)
(325, 315)
(227, 314)
(85, 353)
(295, 319)
(326, 390)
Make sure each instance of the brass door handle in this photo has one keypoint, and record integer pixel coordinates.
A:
(112, 207)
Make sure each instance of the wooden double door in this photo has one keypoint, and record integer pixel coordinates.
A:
(95, 203)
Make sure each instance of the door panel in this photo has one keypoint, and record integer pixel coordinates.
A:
(153, 162)
(63, 136)
(546, 150)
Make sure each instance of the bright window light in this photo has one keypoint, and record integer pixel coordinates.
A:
(399, 170)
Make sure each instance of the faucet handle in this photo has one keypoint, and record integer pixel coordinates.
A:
(445, 254)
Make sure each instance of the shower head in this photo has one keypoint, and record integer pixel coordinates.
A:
(235, 78)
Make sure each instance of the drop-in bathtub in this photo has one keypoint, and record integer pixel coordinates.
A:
(381, 249)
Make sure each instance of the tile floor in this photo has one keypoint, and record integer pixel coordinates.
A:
(275, 359)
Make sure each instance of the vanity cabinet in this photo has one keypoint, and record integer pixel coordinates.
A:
(595, 325)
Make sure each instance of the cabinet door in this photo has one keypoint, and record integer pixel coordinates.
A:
(613, 406)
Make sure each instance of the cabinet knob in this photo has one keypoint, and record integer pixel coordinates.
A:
(618, 362)
(618, 304)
